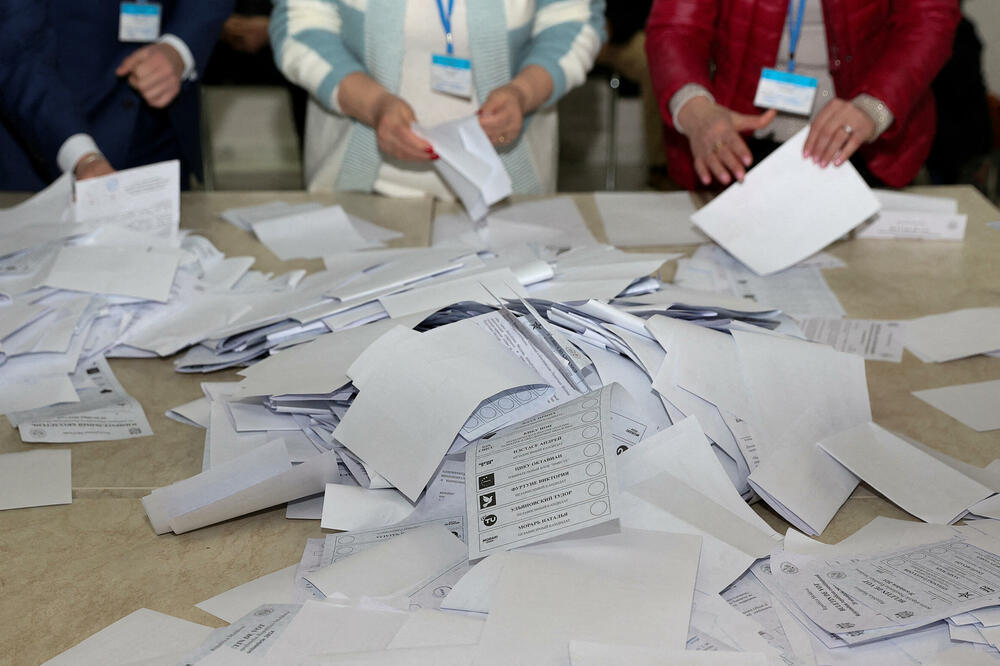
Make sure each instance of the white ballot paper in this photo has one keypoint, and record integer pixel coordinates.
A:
(586, 653)
(139, 272)
(953, 335)
(469, 164)
(919, 483)
(35, 478)
(352, 508)
(275, 587)
(251, 636)
(140, 637)
(635, 219)
(903, 589)
(916, 225)
(800, 393)
(432, 382)
(144, 200)
(541, 603)
(393, 568)
(975, 405)
(786, 209)
(313, 233)
(873, 340)
(550, 475)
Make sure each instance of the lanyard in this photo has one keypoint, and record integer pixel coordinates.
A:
(446, 22)
(794, 30)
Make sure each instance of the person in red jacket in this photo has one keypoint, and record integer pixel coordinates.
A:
(874, 61)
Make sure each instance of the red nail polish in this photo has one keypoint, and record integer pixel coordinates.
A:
(435, 156)
(429, 150)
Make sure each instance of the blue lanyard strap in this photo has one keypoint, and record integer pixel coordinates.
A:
(446, 22)
(794, 30)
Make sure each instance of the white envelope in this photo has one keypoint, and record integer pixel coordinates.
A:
(469, 164)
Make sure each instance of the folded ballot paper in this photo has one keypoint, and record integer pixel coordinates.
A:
(469, 164)
(786, 209)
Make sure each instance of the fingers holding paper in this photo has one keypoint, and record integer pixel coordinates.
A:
(394, 119)
(837, 132)
(714, 134)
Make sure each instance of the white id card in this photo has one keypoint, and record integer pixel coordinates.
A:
(451, 75)
(784, 91)
(139, 22)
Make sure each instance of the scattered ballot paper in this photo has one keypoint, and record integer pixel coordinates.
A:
(786, 209)
(873, 340)
(140, 272)
(953, 335)
(141, 637)
(143, 200)
(469, 164)
(915, 481)
(976, 405)
(916, 225)
(314, 233)
(546, 476)
(35, 478)
(894, 591)
(636, 219)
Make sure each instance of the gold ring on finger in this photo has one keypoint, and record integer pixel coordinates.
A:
(501, 139)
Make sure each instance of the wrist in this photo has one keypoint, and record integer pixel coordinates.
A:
(522, 94)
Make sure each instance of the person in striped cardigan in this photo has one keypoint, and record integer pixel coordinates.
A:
(367, 67)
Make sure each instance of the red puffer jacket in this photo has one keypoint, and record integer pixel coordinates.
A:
(889, 49)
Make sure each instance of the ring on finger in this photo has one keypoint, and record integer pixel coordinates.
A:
(848, 129)
(717, 145)
(501, 139)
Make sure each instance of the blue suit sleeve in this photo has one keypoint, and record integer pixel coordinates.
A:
(34, 101)
(198, 23)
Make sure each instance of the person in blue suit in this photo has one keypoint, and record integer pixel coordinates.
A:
(74, 97)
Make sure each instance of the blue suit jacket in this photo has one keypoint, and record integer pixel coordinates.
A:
(57, 78)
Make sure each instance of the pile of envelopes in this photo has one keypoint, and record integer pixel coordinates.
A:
(532, 449)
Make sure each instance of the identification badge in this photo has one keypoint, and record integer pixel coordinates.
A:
(139, 22)
(451, 75)
(784, 91)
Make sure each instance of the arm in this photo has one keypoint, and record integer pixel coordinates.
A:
(34, 101)
(314, 55)
(679, 39)
(566, 38)
(159, 70)
(918, 44)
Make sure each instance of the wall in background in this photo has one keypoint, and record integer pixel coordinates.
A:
(986, 15)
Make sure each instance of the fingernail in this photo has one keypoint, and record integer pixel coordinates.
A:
(429, 150)
(435, 156)
(479, 112)
(805, 154)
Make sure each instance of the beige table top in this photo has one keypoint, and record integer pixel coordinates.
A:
(71, 570)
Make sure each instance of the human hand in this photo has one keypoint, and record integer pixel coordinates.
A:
(394, 119)
(837, 132)
(92, 165)
(155, 72)
(247, 34)
(714, 134)
(502, 114)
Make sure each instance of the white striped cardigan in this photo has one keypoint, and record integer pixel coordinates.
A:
(319, 42)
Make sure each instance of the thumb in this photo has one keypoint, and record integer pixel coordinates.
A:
(744, 123)
(129, 63)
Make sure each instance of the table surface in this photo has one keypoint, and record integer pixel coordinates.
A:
(70, 570)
